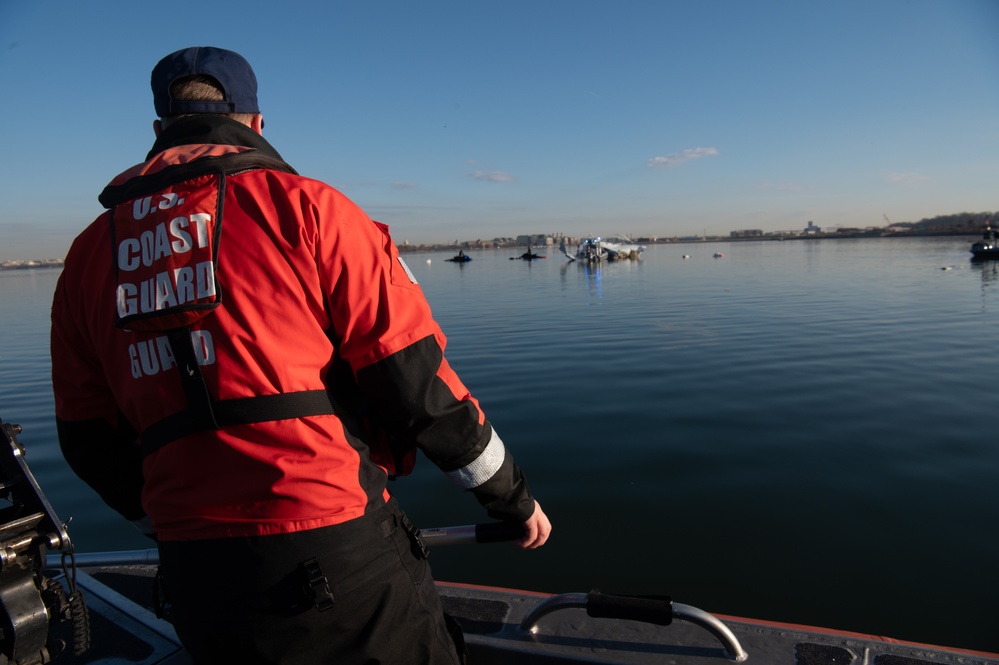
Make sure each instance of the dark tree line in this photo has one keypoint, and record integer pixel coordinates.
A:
(959, 222)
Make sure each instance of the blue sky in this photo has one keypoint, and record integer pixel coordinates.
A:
(465, 119)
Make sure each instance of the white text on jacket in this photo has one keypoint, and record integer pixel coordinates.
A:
(178, 283)
(153, 356)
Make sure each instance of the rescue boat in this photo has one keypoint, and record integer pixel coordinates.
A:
(988, 246)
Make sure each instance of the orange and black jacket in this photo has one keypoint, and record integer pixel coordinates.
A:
(239, 350)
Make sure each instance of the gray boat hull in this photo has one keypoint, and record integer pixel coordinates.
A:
(497, 625)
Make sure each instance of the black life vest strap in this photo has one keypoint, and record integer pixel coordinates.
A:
(199, 401)
(239, 411)
(204, 414)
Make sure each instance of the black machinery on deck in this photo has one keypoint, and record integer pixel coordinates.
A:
(31, 604)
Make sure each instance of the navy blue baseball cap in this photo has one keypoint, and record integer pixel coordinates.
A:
(230, 69)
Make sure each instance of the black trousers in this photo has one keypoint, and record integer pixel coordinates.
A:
(248, 600)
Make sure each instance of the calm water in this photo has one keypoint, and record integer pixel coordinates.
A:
(800, 431)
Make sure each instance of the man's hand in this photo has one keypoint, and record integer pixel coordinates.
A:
(536, 530)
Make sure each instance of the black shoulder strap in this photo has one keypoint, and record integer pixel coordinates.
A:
(226, 164)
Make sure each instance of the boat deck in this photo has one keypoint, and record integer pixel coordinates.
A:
(124, 629)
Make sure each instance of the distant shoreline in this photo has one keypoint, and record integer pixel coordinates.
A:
(44, 264)
(553, 241)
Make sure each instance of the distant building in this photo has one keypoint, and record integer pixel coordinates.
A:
(747, 233)
(533, 240)
(811, 229)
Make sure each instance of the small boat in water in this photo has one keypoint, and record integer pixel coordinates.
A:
(460, 257)
(988, 246)
(591, 251)
(118, 622)
(529, 255)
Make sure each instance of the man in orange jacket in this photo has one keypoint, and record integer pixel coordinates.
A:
(240, 361)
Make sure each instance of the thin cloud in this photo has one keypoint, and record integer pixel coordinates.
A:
(491, 176)
(676, 159)
(906, 178)
(781, 187)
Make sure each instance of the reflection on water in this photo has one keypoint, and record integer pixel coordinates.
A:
(989, 270)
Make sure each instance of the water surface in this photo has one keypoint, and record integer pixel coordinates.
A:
(799, 431)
